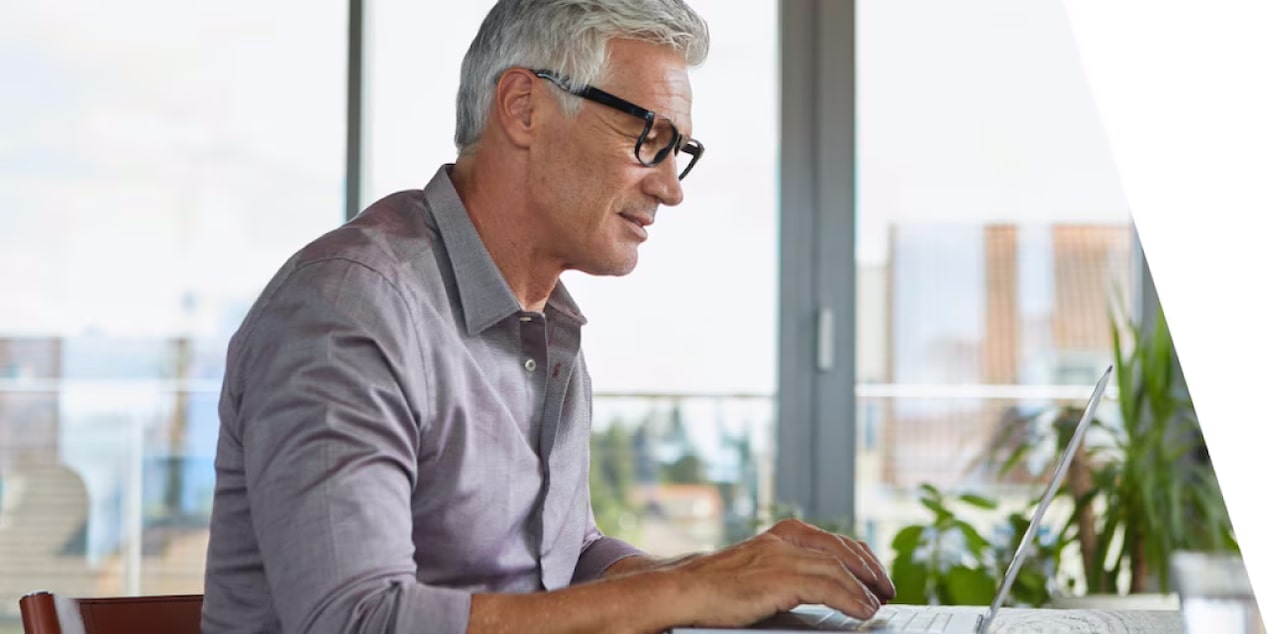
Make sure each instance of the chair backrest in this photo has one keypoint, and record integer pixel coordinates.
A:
(171, 614)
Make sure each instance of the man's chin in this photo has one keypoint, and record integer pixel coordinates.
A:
(616, 267)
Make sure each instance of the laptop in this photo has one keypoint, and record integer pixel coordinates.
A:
(923, 618)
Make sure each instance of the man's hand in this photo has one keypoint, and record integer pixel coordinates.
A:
(790, 564)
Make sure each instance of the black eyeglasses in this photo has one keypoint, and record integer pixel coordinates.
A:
(660, 136)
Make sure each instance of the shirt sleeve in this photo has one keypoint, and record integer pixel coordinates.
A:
(599, 552)
(329, 430)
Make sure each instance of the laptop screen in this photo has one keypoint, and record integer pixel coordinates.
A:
(1054, 483)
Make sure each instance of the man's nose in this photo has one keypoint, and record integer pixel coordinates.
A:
(663, 184)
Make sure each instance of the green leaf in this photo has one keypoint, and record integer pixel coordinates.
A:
(911, 580)
(928, 490)
(967, 586)
(1096, 577)
(1030, 588)
(939, 511)
(975, 542)
(979, 501)
(1013, 458)
(1122, 375)
(908, 539)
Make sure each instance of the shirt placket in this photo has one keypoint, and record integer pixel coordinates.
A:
(533, 360)
(557, 564)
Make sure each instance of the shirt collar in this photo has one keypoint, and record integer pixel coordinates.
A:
(483, 293)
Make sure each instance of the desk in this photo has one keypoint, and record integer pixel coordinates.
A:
(1052, 621)
(1021, 621)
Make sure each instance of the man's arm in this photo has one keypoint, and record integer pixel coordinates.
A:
(330, 440)
(600, 553)
(644, 563)
(791, 564)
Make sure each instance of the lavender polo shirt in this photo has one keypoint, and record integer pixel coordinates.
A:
(396, 433)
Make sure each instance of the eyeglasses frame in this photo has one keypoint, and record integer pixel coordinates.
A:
(679, 142)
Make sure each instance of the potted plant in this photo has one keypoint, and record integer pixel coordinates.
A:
(947, 561)
(1149, 491)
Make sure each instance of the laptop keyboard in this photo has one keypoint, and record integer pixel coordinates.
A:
(891, 618)
(900, 620)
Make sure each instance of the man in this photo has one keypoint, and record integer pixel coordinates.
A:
(405, 415)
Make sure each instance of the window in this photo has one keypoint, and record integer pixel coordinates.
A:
(992, 237)
(160, 163)
(683, 350)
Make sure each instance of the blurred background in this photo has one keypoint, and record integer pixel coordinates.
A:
(907, 234)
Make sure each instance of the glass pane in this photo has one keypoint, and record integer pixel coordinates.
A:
(160, 163)
(992, 240)
(690, 335)
(692, 330)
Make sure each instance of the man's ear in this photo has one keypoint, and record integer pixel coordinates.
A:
(514, 107)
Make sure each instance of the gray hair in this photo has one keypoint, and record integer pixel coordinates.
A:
(568, 37)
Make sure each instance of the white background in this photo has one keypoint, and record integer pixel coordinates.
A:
(1182, 93)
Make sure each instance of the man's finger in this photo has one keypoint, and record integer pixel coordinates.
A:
(875, 575)
(859, 558)
(820, 578)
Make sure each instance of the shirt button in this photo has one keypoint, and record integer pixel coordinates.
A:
(530, 364)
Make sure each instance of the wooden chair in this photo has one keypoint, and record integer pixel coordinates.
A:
(170, 614)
